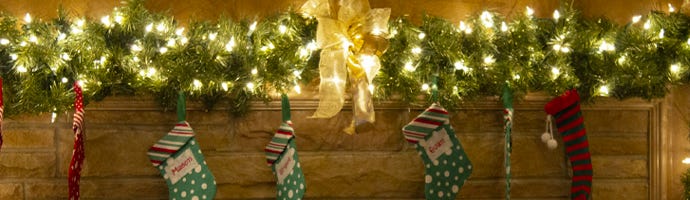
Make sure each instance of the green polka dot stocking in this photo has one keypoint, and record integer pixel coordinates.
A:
(446, 163)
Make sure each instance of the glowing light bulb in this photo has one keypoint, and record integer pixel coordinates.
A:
(105, 20)
(489, 60)
(621, 60)
(516, 77)
(80, 23)
(460, 65)
(231, 44)
(61, 36)
(33, 39)
(4, 41)
(135, 59)
(163, 49)
(605, 46)
(409, 67)
(53, 116)
(298, 89)
(254, 71)
(65, 57)
(367, 61)
(224, 85)
(184, 40)
(529, 11)
(421, 35)
(636, 19)
(556, 15)
(250, 86)
(160, 27)
(416, 50)
(504, 27)
(197, 84)
(252, 27)
(21, 69)
(119, 19)
(151, 72)
(555, 71)
(376, 31)
(425, 87)
(671, 8)
(136, 48)
(468, 30)
(565, 49)
(64, 80)
(311, 46)
(149, 27)
(557, 47)
(14, 56)
(297, 73)
(282, 29)
(27, 18)
(686, 160)
(487, 19)
(647, 25)
(604, 90)
(661, 34)
(170, 43)
(22, 44)
(212, 36)
(179, 31)
(303, 52)
(462, 26)
(675, 68)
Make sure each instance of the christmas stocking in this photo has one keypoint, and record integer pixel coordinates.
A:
(178, 158)
(446, 163)
(508, 127)
(281, 155)
(75, 165)
(566, 111)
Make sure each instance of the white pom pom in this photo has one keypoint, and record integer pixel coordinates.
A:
(552, 144)
(545, 137)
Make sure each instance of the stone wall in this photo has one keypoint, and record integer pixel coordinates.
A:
(376, 164)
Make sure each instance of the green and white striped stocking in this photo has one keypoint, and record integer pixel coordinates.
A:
(446, 163)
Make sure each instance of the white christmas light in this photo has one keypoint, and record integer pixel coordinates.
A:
(179, 31)
(468, 30)
(555, 71)
(556, 15)
(504, 27)
(661, 34)
(557, 47)
(647, 25)
(282, 29)
(53, 116)
(605, 46)
(303, 52)
(151, 72)
(105, 20)
(163, 49)
(296, 73)
(675, 68)
(604, 90)
(416, 50)
(76, 30)
(250, 86)
(197, 84)
(254, 71)
(64, 80)
(376, 31)
(4, 41)
(61, 36)
(621, 60)
(33, 39)
(160, 27)
(671, 8)
(149, 27)
(252, 27)
(489, 60)
(231, 44)
(136, 48)
(65, 57)
(21, 69)
(27, 18)
(170, 43)
(636, 19)
(516, 77)
(135, 59)
(487, 19)
(22, 44)
(421, 35)
(80, 23)
(409, 67)
(460, 65)
(311, 46)
(425, 87)
(298, 89)
(224, 85)
(119, 19)
(14, 56)
(529, 11)
(462, 26)
(184, 40)
(565, 49)
(686, 160)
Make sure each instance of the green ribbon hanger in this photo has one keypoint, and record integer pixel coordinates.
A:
(507, 98)
(181, 107)
(434, 88)
(285, 107)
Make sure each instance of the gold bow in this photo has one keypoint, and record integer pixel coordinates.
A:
(351, 37)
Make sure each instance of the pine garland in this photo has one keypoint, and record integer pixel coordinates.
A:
(134, 52)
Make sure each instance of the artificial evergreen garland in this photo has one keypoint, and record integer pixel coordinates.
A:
(133, 52)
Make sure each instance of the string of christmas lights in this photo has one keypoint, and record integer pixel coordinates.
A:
(133, 51)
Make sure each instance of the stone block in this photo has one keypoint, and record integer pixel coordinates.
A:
(520, 188)
(47, 189)
(485, 151)
(531, 158)
(384, 135)
(130, 118)
(11, 191)
(322, 134)
(620, 167)
(241, 168)
(463, 121)
(617, 121)
(620, 144)
(529, 121)
(29, 138)
(111, 152)
(100, 189)
(628, 189)
(27, 164)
